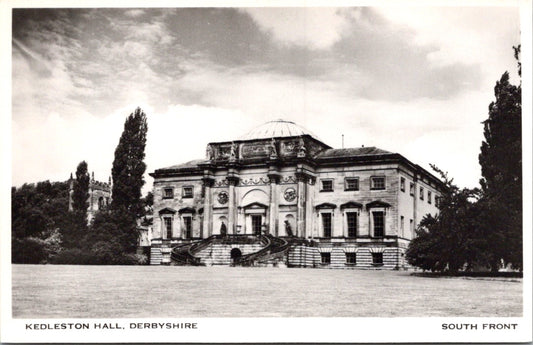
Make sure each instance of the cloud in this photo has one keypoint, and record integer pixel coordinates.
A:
(313, 27)
(211, 75)
(447, 132)
(468, 35)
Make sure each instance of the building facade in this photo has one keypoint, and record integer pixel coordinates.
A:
(280, 184)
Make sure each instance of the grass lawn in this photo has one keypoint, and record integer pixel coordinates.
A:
(56, 291)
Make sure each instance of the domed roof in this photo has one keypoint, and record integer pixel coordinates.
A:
(277, 128)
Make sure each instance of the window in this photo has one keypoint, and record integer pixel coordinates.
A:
(326, 224)
(401, 226)
(168, 226)
(429, 197)
(256, 224)
(351, 184)
(377, 259)
(168, 193)
(437, 201)
(379, 223)
(402, 184)
(325, 258)
(187, 224)
(421, 193)
(412, 228)
(411, 189)
(351, 220)
(187, 192)
(327, 186)
(377, 183)
(351, 258)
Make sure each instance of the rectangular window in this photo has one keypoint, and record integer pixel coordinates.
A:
(168, 193)
(429, 197)
(256, 224)
(402, 184)
(377, 259)
(351, 220)
(412, 228)
(379, 223)
(326, 224)
(351, 258)
(377, 183)
(187, 192)
(421, 193)
(437, 201)
(187, 223)
(411, 189)
(327, 186)
(325, 258)
(351, 184)
(401, 226)
(168, 226)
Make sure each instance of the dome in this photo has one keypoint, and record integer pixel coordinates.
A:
(276, 128)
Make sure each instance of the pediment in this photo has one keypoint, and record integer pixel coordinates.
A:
(255, 205)
(325, 205)
(167, 210)
(351, 204)
(187, 210)
(377, 203)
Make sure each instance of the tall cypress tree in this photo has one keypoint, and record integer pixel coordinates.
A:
(127, 172)
(501, 168)
(75, 226)
(128, 166)
(80, 194)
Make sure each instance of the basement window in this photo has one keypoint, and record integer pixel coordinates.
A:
(377, 259)
(325, 258)
(350, 258)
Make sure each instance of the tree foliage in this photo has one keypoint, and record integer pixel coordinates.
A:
(38, 211)
(501, 168)
(450, 241)
(76, 221)
(128, 165)
(80, 193)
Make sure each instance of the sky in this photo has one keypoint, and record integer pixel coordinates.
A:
(413, 80)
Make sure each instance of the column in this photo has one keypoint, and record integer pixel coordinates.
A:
(208, 207)
(273, 207)
(300, 215)
(415, 201)
(309, 207)
(232, 181)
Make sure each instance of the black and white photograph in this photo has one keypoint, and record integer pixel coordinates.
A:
(266, 172)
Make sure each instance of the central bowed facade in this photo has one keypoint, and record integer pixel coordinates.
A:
(353, 207)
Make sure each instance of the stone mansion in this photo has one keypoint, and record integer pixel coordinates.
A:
(279, 196)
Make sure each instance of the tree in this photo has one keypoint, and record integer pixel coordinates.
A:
(127, 172)
(37, 213)
(128, 165)
(501, 168)
(75, 225)
(80, 194)
(450, 240)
